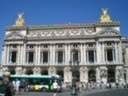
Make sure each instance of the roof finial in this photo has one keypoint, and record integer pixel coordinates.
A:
(105, 16)
(20, 20)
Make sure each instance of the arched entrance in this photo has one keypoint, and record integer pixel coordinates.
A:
(29, 71)
(60, 73)
(92, 75)
(44, 72)
(12, 70)
(76, 75)
(111, 74)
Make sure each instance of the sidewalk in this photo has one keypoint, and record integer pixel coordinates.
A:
(91, 91)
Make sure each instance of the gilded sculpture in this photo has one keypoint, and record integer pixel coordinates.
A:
(105, 16)
(20, 20)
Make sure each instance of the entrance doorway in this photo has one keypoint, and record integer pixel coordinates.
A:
(60, 73)
(44, 72)
(111, 74)
(29, 71)
(92, 75)
(76, 75)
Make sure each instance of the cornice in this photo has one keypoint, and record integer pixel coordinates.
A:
(63, 26)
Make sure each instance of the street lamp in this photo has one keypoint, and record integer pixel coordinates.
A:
(74, 65)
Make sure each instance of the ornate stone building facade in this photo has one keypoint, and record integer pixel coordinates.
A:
(97, 51)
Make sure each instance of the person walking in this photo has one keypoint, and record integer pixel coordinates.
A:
(8, 87)
(2, 87)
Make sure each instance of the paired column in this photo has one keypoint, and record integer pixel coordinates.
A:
(82, 54)
(18, 57)
(38, 59)
(52, 54)
(103, 53)
(99, 52)
(68, 53)
(4, 55)
(7, 55)
(24, 55)
(116, 53)
(120, 53)
(36, 55)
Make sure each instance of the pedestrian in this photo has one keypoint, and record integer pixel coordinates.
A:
(2, 87)
(9, 89)
(55, 85)
(17, 85)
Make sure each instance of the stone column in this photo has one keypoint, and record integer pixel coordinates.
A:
(120, 53)
(7, 55)
(98, 79)
(18, 57)
(66, 54)
(38, 59)
(82, 53)
(84, 74)
(87, 58)
(103, 53)
(103, 74)
(53, 62)
(51, 54)
(52, 70)
(95, 57)
(69, 53)
(24, 55)
(21, 56)
(119, 74)
(67, 75)
(116, 53)
(4, 55)
(98, 52)
(36, 55)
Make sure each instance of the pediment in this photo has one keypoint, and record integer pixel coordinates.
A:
(14, 35)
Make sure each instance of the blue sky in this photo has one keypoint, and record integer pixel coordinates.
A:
(43, 12)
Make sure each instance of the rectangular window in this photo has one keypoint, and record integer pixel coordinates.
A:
(91, 56)
(75, 56)
(109, 55)
(60, 56)
(13, 56)
(45, 57)
(30, 57)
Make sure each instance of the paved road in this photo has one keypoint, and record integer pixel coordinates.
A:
(113, 92)
(99, 92)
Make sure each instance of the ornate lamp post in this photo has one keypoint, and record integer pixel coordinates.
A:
(74, 65)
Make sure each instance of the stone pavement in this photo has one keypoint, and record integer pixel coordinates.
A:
(94, 92)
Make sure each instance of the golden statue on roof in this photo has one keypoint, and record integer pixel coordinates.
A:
(20, 20)
(105, 16)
